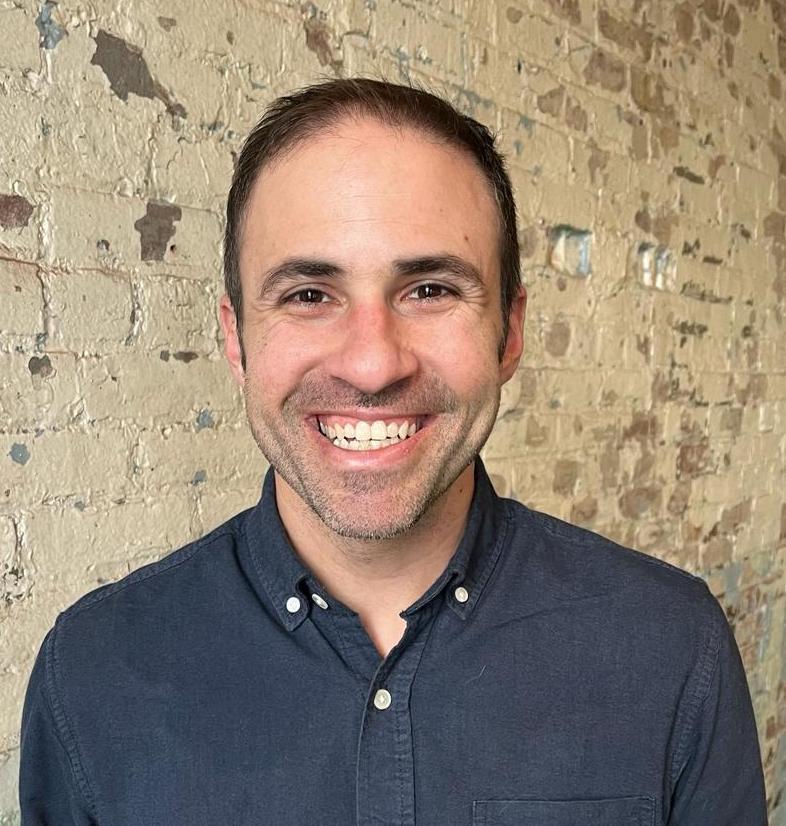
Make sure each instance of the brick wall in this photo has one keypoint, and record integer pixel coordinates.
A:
(647, 143)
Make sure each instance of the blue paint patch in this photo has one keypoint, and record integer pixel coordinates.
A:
(51, 33)
(19, 453)
(199, 477)
(731, 581)
(204, 419)
(527, 124)
(518, 146)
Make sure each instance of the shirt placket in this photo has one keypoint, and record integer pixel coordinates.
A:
(386, 760)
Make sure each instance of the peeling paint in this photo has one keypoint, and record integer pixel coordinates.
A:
(684, 172)
(558, 338)
(15, 211)
(606, 71)
(204, 419)
(127, 72)
(19, 453)
(41, 367)
(570, 250)
(156, 229)
(51, 33)
(318, 37)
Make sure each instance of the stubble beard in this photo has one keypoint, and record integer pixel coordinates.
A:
(292, 458)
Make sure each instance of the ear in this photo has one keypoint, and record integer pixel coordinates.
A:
(514, 344)
(232, 348)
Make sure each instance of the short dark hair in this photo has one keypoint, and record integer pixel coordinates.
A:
(291, 119)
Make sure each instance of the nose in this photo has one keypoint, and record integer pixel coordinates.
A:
(373, 351)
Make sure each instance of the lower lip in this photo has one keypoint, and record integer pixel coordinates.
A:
(359, 459)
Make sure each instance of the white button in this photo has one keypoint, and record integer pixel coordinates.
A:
(382, 699)
(293, 605)
(319, 601)
(461, 594)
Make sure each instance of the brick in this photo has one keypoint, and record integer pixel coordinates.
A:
(20, 49)
(93, 229)
(183, 459)
(104, 299)
(177, 314)
(75, 545)
(21, 299)
(38, 390)
(164, 386)
(86, 463)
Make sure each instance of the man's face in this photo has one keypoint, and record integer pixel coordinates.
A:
(371, 293)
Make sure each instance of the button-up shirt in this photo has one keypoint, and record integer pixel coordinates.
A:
(549, 677)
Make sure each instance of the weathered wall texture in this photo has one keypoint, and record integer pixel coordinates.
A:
(647, 142)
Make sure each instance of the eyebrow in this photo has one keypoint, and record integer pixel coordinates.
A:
(295, 269)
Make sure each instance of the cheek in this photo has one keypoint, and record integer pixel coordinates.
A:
(277, 357)
(465, 353)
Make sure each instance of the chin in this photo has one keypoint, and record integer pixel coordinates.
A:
(363, 527)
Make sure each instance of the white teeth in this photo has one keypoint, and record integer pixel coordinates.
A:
(365, 436)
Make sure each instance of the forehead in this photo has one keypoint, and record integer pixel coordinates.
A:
(364, 189)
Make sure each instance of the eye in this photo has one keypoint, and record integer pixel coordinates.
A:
(308, 295)
(430, 292)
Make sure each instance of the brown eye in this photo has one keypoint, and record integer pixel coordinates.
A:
(429, 291)
(307, 296)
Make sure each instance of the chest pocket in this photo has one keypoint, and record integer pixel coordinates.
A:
(618, 811)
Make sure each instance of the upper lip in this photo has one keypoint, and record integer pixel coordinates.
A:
(369, 415)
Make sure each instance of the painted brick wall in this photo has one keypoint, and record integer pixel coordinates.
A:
(647, 142)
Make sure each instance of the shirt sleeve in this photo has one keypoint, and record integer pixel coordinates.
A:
(720, 781)
(49, 792)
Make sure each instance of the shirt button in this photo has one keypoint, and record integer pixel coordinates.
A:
(319, 601)
(382, 699)
(461, 594)
(293, 605)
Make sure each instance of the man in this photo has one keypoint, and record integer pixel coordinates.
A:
(382, 640)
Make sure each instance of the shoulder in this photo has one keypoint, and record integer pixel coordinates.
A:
(574, 563)
(179, 582)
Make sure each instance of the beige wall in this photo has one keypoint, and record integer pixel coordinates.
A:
(646, 139)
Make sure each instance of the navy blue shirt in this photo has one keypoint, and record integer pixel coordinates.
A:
(548, 678)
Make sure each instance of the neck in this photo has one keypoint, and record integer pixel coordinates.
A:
(379, 579)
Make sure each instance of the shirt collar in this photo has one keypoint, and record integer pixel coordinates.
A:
(284, 576)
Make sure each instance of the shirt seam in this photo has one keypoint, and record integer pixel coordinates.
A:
(547, 525)
(63, 728)
(707, 667)
(156, 568)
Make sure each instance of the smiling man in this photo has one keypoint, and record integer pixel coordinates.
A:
(383, 640)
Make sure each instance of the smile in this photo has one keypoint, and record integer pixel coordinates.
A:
(363, 435)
